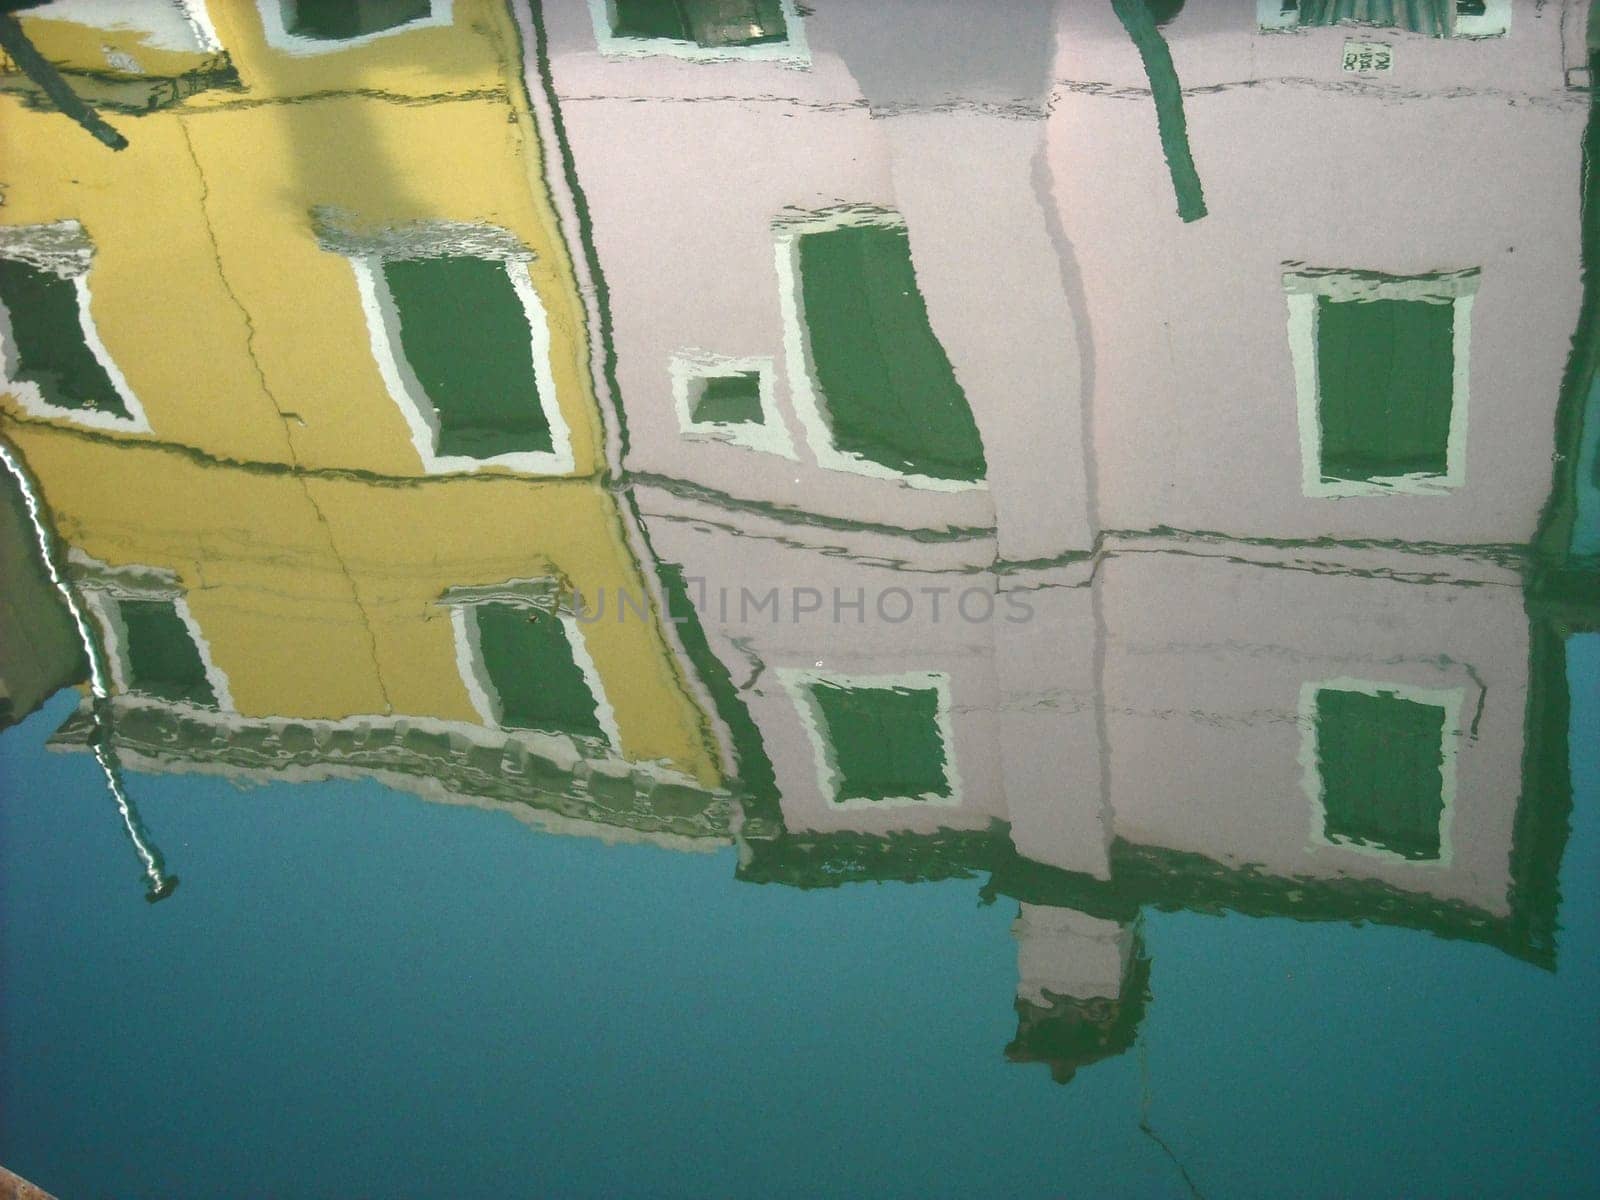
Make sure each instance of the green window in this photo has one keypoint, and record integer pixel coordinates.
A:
(162, 659)
(533, 672)
(335, 20)
(465, 335)
(729, 399)
(706, 23)
(1385, 386)
(885, 741)
(47, 339)
(1381, 762)
(886, 388)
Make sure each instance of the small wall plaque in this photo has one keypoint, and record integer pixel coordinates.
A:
(1364, 57)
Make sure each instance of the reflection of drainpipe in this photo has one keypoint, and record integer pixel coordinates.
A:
(161, 884)
(1167, 93)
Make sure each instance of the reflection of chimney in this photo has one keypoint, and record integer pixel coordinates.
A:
(1080, 989)
(1066, 953)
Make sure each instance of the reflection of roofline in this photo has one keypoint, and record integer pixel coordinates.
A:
(439, 760)
(1151, 877)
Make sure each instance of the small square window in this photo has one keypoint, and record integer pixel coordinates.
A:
(729, 400)
(879, 740)
(885, 741)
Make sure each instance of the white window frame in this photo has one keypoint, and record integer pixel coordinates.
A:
(383, 330)
(791, 52)
(536, 595)
(770, 436)
(279, 37)
(1448, 699)
(63, 249)
(797, 348)
(1303, 289)
(1495, 21)
(798, 683)
(104, 587)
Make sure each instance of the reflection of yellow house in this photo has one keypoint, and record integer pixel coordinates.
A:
(306, 541)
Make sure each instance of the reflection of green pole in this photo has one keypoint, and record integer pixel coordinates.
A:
(1168, 95)
(161, 884)
(38, 68)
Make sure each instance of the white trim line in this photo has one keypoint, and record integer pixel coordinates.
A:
(279, 37)
(32, 399)
(797, 350)
(1448, 699)
(383, 331)
(1302, 293)
(798, 682)
(198, 16)
(771, 435)
(791, 52)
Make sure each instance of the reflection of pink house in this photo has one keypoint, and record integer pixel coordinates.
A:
(1437, 185)
(1175, 700)
(1201, 363)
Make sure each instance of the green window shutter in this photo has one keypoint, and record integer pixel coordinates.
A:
(533, 672)
(730, 399)
(466, 337)
(887, 388)
(48, 340)
(163, 660)
(1385, 386)
(335, 20)
(1381, 762)
(885, 741)
(707, 23)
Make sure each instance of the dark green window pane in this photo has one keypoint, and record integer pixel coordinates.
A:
(162, 657)
(1385, 377)
(885, 741)
(466, 336)
(1381, 760)
(730, 399)
(886, 387)
(47, 339)
(533, 672)
(334, 20)
(708, 23)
